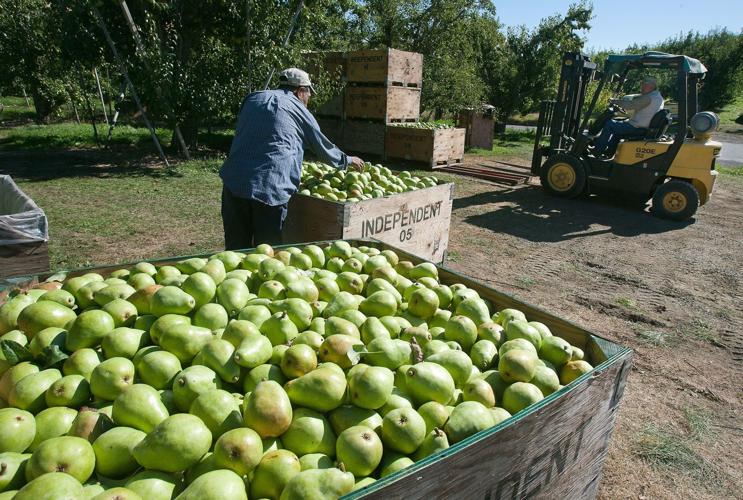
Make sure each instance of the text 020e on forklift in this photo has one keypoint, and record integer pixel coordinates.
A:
(677, 172)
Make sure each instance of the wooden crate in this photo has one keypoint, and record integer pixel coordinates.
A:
(480, 129)
(435, 147)
(364, 137)
(332, 62)
(554, 449)
(332, 128)
(23, 258)
(385, 66)
(386, 104)
(417, 221)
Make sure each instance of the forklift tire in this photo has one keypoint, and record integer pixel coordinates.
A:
(563, 175)
(676, 200)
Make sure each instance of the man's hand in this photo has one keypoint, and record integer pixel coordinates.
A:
(356, 163)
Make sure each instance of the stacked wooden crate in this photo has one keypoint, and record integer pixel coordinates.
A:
(381, 88)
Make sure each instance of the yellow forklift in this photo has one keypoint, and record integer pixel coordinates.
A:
(676, 171)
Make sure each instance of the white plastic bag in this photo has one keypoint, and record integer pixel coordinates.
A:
(21, 220)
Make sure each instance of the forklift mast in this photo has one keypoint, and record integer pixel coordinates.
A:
(560, 119)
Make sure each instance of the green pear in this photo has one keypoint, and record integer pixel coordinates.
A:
(336, 349)
(434, 414)
(165, 323)
(29, 392)
(315, 461)
(12, 470)
(403, 430)
(318, 483)
(171, 300)
(212, 316)
(204, 465)
(255, 314)
(322, 389)
(85, 295)
(388, 353)
(185, 341)
(139, 407)
(239, 450)
(303, 288)
(14, 375)
(142, 298)
(327, 288)
(219, 410)
(309, 338)
(298, 360)
(113, 292)
(72, 455)
(272, 289)
(572, 370)
(233, 294)
(216, 270)
(217, 354)
(262, 372)
(35, 317)
(16, 336)
(51, 486)
(546, 379)
(393, 462)
(378, 284)
(279, 329)
(192, 382)
(124, 342)
(215, 485)
(555, 350)
(111, 378)
(62, 297)
(378, 304)
(479, 390)
(10, 311)
(466, 419)
(81, 362)
(177, 443)
(372, 329)
(113, 452)
(427, 381)
(139, 281)
(504, 316)
(423, 303)
(309, 432)
(475, 309)
(483, 354)
(240, 274)
(347, 416)
(239, 329)
(457, 363)
(53, 336)
(518, 329)
(517, 365)
(491, 331)
(153, 485)
(117, 493)
(272, 473)
(434, 442)
(17, 430)
(515, 344)
(158, 368)
(201, 287)
(123, 312)
(299, 311)
(253, 350)
(165, 272)
(89, 423)
(168, 400)
(338, 303)
(268, 409)
(370, 386)
(190, 265)
(70, 390)
(359, 449)
(88, 329)
(339, 326)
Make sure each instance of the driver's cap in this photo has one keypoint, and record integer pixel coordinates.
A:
(296, 78)
(650, 80)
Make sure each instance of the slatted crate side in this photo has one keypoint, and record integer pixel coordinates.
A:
(332, 62)
(433, 147)
(23, 258)
(416, 221)
(457, 139)
(364, 137)
(385, 66)
(311, 219)
(332, 128)
(385, 104)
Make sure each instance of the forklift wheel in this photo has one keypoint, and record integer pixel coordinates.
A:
(677, 200)
(563, 175)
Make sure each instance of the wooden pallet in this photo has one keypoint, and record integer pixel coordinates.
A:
(434, 147)
(390, 67)
(503, 174)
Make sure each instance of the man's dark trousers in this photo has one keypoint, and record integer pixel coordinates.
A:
(248, 223)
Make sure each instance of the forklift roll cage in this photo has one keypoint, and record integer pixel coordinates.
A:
(565, 122)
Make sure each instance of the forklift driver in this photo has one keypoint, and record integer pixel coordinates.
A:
(644, 105)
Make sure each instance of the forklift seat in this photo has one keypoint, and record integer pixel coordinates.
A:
(658, 126)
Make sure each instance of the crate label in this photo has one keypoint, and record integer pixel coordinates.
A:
(403, 219)
(369, 59)
(538, 472)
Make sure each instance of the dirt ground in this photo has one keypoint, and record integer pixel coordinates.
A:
(670, 291)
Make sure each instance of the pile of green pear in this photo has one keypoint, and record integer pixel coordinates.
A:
(423, 125)
(285, 374)
(376, 181)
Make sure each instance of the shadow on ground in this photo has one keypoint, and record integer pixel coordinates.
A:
(530, 213)
(42, 166)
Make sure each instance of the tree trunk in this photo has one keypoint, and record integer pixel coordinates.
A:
(44, 108)
(190, 132)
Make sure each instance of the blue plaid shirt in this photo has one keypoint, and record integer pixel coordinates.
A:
(265, 161)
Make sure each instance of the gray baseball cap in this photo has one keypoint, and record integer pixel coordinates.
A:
(296, 78)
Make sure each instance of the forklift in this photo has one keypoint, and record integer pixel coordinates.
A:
(676, 171)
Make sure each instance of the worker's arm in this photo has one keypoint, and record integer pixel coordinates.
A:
(323, 147)
(633, 102)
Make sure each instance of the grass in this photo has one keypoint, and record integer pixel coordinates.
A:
(698, 423)
(732, 171)
(699, 329)
(513, 143)
(527, 119)
(525, 282)
(671, 451)
(652, 337)
(74, 136)
(731, 112)
(144, 213)
(14, 108)
(626, 303)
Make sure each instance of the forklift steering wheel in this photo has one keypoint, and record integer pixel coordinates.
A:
(619, 108)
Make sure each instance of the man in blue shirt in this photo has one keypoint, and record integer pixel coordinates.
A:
(264, 167)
